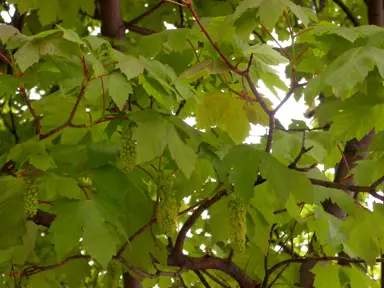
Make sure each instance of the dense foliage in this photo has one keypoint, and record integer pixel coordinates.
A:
(125, 158)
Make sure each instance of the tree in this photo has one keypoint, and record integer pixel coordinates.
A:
(105, 184)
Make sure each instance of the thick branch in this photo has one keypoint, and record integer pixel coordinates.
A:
(191, 220)
(130, 281)
(375, 12)
(211, 262)
(112, 22)
(43, 218)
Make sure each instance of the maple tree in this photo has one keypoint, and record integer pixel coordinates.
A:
(103, 183)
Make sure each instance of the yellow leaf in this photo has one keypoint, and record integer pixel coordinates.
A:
(256, 114)
(222, 110)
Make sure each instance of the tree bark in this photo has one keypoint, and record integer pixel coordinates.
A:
(112, 25)
(375, 12)
(130, 281)
(354, 151)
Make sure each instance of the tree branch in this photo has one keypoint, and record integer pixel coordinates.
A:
(346, 10)
(43, 218)
(146, 226)
(214, 279)
(211, 262)
(278, 275)
(145, 14)
(148, 275)
(319, 259)
(37, 269)
(265, 281)
(192, 219)
(202, 279)
(31, 109)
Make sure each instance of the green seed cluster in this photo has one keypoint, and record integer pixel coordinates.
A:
(30, 201)
(168, 209)
(127, 151)
(237, 225)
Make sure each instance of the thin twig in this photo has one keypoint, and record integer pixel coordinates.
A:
(181, 106)
(146, 172)
(319, 259)
(226, 60)
(287, 96)
(37, 269)
(265, 281)
(145, 14)
(202, 279)
(278, 275)
(215, 279)
(194, 50)
(151, 276)
(31, 109)
(277, 42)
(104, 96)
(5, 58)
(347, 12)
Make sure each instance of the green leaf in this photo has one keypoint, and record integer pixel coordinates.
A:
(97, 67)
(66, 230)
(95, 42)
(359, 279)
(204, 69)
(71, 136)
(43, 280)
(326, 273)
(110, 181)
(6, 32)
(350, 121)
(349, 69)
(368, 171)
(130, 66)
(86, 216)
(42, 161)
(270, 10)
(256, 114)
(265, 53)
(94, 90)
(96, 228)
(219, 215)
(184, 155)
(148, 150)
(328, 28)
(163, 134)
(119, 89)
(289, 181)
(300, 12)
(27, 55)
(71, 35)
(52, 185)
(243, 163)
